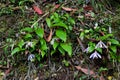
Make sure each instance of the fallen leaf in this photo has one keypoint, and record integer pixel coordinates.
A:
(88, 8)
(37, 9)
(86, 71)
(101, 77)
(7, 71)
(57, 6)
(50, 36)
(68, 9)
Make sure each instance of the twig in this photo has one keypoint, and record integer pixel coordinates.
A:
(28, 73)
(76, 48)
(82, 47)
(30, 68)
(39, 19)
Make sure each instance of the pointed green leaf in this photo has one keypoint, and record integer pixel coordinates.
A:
(28, 36)
(113, 48)
(27, 29)
(91, 49)
(71, 20)
(43, 45)
(60, 24)
(52, 52)
(113, 55)
(62, 51)
(55, 45)
(56, 15)
(106, 37)
(114, 41)
(21, 43)
(67, 48)
(34, 42)
(15, 50)
(42, 54)
(61, 34)
(37, 56)
(40, 32)
(48, 22)
(99, 50)
(82, 34)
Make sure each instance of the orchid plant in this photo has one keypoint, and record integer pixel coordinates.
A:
(96, 49)
(99, 40)
(32, 40)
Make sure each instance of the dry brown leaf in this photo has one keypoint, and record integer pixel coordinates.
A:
(57, 6)
(86, 71)
(88, 8)
(50, 36)
(102, 78)
(37, 9)
(7, 71)
(68, 9)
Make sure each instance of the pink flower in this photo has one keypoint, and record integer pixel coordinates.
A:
(95, 55)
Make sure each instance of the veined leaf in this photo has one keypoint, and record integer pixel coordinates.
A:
(62, 51)
(82, 35)
(52, 52)
(40, 32)
(48, 22)
(113, 55)
(61, 34)
(106, 37)
(114, 41)
(113, 48)
(43, 54)
(28, 36)
(37, 56)
(42, 41)
(99, 50)
(15, 50)
(55, 45)
(43, 45)
(34, 42)
(60, 24)
(27, 29)
(91, 47)
(56, 15)
(67, 48)
(21, 43)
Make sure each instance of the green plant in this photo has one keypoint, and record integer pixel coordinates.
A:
(14, 5)
(31, 39)
(63, 26)
(99, 38)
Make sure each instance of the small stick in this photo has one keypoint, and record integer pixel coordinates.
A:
(82, 47)
(39, 19)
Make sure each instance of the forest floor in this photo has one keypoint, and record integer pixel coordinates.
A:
(56, 67)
